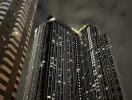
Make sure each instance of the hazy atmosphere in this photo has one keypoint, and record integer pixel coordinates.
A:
(110, 16)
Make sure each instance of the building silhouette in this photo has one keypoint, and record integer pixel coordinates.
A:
(16, 20)
(72, 65)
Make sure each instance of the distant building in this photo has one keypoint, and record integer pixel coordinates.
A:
(73, 65)
(16, 20)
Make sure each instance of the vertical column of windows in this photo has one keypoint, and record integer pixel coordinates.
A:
(84, 67)
(54, 62)
(22, 17)
(68, 66)
(60, 29)
(56, 59)
(8, 61)
(4, 7)
(62, 32)
(51, 66)
(111, 71)
(95, 83)
(78, 69)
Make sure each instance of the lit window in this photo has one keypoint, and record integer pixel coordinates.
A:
(107, 88)
(86, 91)
(53, 94)
(78, 70)
(103, 48)
(93, 85)
(52, 57)
(53, 41)
(99, 97)
(43, 61)
(100, 76)
(41, 65)
(64, 83)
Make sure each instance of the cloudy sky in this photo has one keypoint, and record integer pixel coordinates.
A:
(110, 16)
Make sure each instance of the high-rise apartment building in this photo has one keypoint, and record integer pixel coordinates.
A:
(100, 76)
(28, 89)
(16, 20)
(72, 65)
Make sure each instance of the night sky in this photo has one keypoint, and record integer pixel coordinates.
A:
(113, 17)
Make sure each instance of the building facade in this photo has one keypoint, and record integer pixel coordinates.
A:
(55, 77)
(100, 76)
(16, 20)
(73, 65)
(31, 77)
